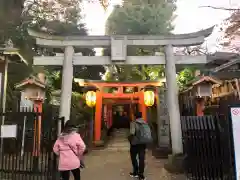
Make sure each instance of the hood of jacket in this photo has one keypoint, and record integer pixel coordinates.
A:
(141, 121)
(66, 136)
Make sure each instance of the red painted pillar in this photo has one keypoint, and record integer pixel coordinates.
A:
(98, 117)
(105, 114)
(200, 107)
(37, 128)
(110, 116)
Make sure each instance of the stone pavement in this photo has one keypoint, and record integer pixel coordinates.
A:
(113, 163)
(110, 165)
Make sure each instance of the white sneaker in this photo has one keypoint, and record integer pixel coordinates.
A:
(133, 175)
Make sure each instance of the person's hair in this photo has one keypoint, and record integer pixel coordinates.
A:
(138, 115)
(68, 126)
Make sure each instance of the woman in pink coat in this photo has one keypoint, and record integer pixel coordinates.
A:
(70, 148)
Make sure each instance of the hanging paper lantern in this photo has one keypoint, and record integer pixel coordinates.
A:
(149, 97)
(91, 98)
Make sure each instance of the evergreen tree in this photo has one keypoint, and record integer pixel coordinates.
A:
(141, 17)
(54, 17)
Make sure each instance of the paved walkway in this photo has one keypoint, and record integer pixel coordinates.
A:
(113, 163)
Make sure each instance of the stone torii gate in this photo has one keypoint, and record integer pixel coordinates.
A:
(118, 45)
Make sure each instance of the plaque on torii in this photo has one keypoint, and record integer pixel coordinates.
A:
(118, 49)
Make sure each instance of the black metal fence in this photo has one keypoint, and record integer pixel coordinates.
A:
(208, 147)
(29, 155)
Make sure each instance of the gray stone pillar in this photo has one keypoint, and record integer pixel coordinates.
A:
(162, 120)
(172, 101)
(4, 94)
(159, 116)
(67, 77)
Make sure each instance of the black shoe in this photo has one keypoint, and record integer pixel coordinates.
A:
(135, 175)
(141, 177)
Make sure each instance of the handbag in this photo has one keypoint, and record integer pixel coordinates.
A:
(82, 164)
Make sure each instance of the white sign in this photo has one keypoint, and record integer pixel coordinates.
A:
(235, 114)
(8, 131)
(25, 104)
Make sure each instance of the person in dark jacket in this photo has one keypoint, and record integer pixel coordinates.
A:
(137, 150)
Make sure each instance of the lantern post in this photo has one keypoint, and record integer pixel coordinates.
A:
(149, 99)
(33, 89)
(91, 100)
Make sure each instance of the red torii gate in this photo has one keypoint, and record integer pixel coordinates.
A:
(105, 100)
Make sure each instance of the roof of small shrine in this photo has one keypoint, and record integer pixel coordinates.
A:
(199, 80)
(32, 80)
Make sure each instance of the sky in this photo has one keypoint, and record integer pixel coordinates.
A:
(191, 17)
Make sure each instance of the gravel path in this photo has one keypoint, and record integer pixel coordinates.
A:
(113, 165)
(113, 162)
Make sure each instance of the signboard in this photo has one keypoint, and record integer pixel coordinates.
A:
(235, 115)
(25, 103)
(8, 131)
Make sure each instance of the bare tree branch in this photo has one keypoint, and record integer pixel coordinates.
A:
(221, 8)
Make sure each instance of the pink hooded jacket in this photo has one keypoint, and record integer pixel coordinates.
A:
(64, 147)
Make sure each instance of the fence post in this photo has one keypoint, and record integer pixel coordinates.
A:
(60, 125)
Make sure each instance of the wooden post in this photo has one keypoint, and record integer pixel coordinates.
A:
(120, 90)
(98, 117)
(200, 106)
(238, 88)
(37, 127)
(37, 134)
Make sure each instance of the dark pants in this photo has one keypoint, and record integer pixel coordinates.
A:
(66, 174)
(138, 165)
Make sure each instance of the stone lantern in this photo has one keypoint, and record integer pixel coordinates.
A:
(32, 90)
(199, 89)
(203, 86)
(8, 55)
